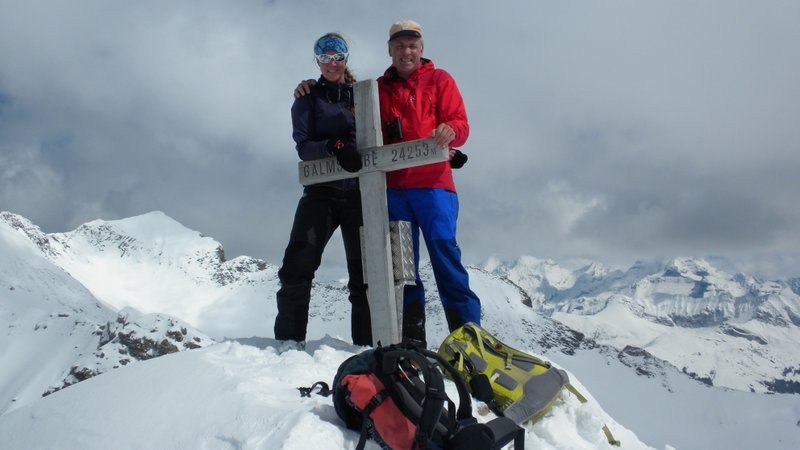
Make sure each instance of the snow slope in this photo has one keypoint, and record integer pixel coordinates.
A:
(241, 393)
(231, 395)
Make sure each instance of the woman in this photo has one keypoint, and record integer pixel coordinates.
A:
(324, 125)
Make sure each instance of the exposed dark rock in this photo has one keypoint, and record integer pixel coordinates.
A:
(734, 331)
(794, 318)
(642, 361)
(701, 319)
(705, 380)
(699, 289)
(176, 335)
(794, 285)
(123, 341)
(780, 386)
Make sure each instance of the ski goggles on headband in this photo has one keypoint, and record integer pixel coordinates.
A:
(325, 58)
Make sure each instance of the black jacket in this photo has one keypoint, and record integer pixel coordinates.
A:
(326, 113)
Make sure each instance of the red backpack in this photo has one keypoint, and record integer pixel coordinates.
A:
(396, 396)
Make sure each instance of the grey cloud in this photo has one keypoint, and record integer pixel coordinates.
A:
(614, 131)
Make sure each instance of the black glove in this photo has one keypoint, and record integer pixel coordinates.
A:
(346, 153)
(458, 160)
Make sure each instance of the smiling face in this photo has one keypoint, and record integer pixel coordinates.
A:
(333, 70)
(406, 53)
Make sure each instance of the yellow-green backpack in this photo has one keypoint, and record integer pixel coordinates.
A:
(513, 383)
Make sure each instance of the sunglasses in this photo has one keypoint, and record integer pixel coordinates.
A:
(325, 58)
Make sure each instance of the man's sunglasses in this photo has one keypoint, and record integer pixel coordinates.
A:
(325, 58)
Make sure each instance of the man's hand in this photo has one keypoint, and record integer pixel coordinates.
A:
(443, 135)
(457, 158)
(304, 88)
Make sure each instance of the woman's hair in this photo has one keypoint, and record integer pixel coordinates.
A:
(349, 78)
(348, 75)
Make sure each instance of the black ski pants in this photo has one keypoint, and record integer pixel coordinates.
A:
(320, 211)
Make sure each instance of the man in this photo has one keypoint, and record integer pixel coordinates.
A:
(417, 100)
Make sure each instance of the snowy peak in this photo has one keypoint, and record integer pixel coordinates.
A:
(55, 332)
(694, 293)
(32, 232)
(723, 329)
(152, 238)
(157, 265)
(144, 260)
(539, 279)
(687, 291)
(29, 280)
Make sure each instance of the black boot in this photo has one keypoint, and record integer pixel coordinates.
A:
(454, 320)
(414, 325)
(361, 324)
(292, 319)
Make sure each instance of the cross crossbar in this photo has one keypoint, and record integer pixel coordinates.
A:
(384, 159)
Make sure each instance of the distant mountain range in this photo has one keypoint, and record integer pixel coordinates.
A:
(110, 292)
(729, 330)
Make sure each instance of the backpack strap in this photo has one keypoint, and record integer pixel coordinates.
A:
(501, 430)
(607, 431)
(504, 431)
(464, 399)
(324, 389)
(365, 424)
(481, 388)
(435, 394)
(464, 431)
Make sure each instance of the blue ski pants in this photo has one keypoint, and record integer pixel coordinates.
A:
(434, 213)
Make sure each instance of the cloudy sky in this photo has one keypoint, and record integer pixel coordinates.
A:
(616, 131)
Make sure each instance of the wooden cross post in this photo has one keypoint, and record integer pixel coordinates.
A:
(383, 294)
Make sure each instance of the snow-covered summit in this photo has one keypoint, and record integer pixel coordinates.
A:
(586, 318)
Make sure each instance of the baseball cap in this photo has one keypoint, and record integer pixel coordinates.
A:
(405, 28)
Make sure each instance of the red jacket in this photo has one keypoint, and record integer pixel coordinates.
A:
(426, 99)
